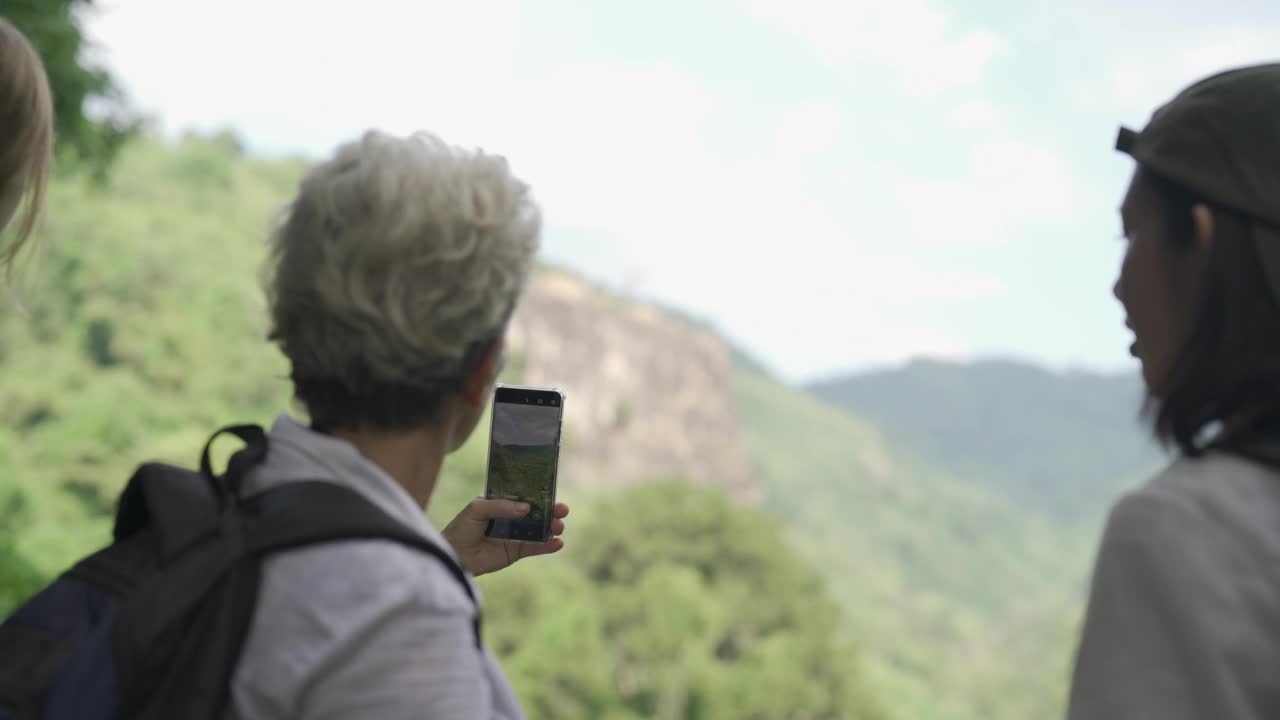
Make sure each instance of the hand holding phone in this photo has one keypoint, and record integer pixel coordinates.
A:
(524, 458)
(481, 554)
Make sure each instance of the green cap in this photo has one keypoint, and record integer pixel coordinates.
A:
(1220, 138)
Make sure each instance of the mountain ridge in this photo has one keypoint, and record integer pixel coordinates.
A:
(1062, 443)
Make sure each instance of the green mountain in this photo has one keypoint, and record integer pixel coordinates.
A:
(1063, 444)
(967, 604)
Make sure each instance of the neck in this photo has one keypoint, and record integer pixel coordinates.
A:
(412, 458)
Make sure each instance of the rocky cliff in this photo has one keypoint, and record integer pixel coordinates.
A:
(648, 396)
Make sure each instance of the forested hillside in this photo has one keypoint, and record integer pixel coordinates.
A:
(968, 605)
(142, 330)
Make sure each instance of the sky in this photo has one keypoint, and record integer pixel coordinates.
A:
(525, 424)
(835, 185)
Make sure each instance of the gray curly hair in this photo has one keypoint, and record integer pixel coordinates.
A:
(397, 264)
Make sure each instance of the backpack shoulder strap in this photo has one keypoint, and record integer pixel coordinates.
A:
(179, 505)
(182, 506)
(311, 512)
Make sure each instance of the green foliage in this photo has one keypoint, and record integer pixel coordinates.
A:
(19, 579)
(142, 331)
(671, 603)
(527, 474)
(54, 29)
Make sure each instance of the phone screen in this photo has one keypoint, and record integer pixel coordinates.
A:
(524, 452)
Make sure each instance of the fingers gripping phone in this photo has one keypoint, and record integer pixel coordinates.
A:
(524, 456)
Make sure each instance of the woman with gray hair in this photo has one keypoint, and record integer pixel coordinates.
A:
(392, 278)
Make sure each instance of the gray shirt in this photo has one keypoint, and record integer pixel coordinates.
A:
(363, 629)
(1184, 611)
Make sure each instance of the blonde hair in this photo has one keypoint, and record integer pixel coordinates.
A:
(26, 135)
(397, 257)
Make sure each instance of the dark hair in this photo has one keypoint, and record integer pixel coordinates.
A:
(1228, 370)
(368, 404)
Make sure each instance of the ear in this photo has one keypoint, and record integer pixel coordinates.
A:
(475, 387)
(1202, 220)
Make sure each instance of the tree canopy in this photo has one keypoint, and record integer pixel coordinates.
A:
(92, 118)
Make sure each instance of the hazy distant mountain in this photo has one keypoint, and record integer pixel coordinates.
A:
(1061, 443)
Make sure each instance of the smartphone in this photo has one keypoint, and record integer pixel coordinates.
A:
(524, 456)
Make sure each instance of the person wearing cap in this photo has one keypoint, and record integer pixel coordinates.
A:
(1183, 619)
